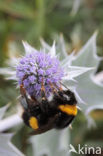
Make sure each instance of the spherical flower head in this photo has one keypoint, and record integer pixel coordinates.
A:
(39, 69)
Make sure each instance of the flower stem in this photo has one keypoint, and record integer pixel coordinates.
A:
(10, 122)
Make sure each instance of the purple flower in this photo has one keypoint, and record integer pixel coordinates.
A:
(39, 68)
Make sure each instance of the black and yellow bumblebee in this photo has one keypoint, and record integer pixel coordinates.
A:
(44, 114)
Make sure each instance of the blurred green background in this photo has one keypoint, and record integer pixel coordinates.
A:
(32, 19)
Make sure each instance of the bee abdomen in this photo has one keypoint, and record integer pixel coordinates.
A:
(63, 120)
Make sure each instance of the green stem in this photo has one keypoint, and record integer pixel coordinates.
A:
(40, 21)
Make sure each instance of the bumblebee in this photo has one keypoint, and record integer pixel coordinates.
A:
(44, 114)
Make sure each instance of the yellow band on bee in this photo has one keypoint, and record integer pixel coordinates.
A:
(33, 122)
(68, 109)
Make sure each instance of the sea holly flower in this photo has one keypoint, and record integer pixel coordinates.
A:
(37, 67)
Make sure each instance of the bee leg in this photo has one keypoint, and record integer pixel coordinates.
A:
(44, 102)
(23, 93)
(24, 100)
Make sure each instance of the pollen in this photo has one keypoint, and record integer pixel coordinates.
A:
(68, 109)
(33, 122)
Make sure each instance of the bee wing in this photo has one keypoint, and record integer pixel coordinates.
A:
(23, 102)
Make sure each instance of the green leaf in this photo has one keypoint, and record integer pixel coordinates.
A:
(2, 111)
(90, 92)
(6, 147)
(87, 56)
(52, 143)
(21, 10)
